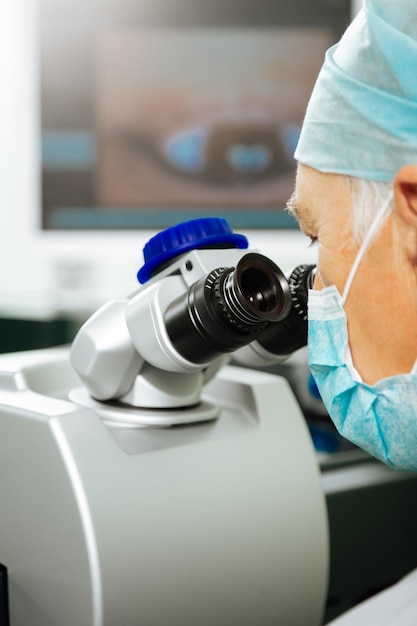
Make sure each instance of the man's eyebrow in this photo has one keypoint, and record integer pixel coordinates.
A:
(301, 214)
(293, 207)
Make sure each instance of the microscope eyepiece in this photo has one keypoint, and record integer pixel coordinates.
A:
(254, 292)
(290, 334)
(228, 308)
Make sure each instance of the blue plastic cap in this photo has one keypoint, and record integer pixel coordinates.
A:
(205, 232)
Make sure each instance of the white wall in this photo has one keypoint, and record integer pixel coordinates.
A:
(33, 266)
(17, 120)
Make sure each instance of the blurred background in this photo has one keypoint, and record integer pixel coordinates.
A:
(121, 117)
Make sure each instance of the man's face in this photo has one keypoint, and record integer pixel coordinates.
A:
(381, 308)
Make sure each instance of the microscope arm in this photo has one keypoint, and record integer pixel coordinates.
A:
(103, 353)
(123, 352)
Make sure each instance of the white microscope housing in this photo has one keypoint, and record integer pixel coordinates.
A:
(145, 481)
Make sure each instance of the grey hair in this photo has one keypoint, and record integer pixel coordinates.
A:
(368, 196)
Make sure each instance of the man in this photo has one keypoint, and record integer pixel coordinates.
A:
(356, 195)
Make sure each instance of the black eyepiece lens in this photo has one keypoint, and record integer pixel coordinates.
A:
(228, 308)
(259, 290)
(262, 287)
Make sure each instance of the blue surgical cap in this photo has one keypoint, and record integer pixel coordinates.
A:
(362, 116)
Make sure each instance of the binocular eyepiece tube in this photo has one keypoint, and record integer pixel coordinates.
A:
(255, 292)
(290, 334)
(229, 308)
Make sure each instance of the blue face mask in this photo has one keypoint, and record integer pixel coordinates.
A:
(380, 418)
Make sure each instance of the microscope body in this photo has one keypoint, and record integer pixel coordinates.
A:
(124, 352)
(106, 523)
(146, 481)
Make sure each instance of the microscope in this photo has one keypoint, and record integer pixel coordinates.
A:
(150, 475)
(204, 298)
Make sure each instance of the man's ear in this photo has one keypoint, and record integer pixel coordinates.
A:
(405, 194)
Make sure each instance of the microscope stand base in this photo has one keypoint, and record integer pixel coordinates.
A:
(115, 414)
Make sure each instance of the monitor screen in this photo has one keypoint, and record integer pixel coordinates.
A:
(158, 111)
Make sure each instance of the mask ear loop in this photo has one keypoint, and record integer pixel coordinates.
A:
(377, 222)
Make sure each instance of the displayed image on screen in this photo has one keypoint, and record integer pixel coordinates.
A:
(158, 112)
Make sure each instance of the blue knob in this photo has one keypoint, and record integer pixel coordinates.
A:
(205, 232)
